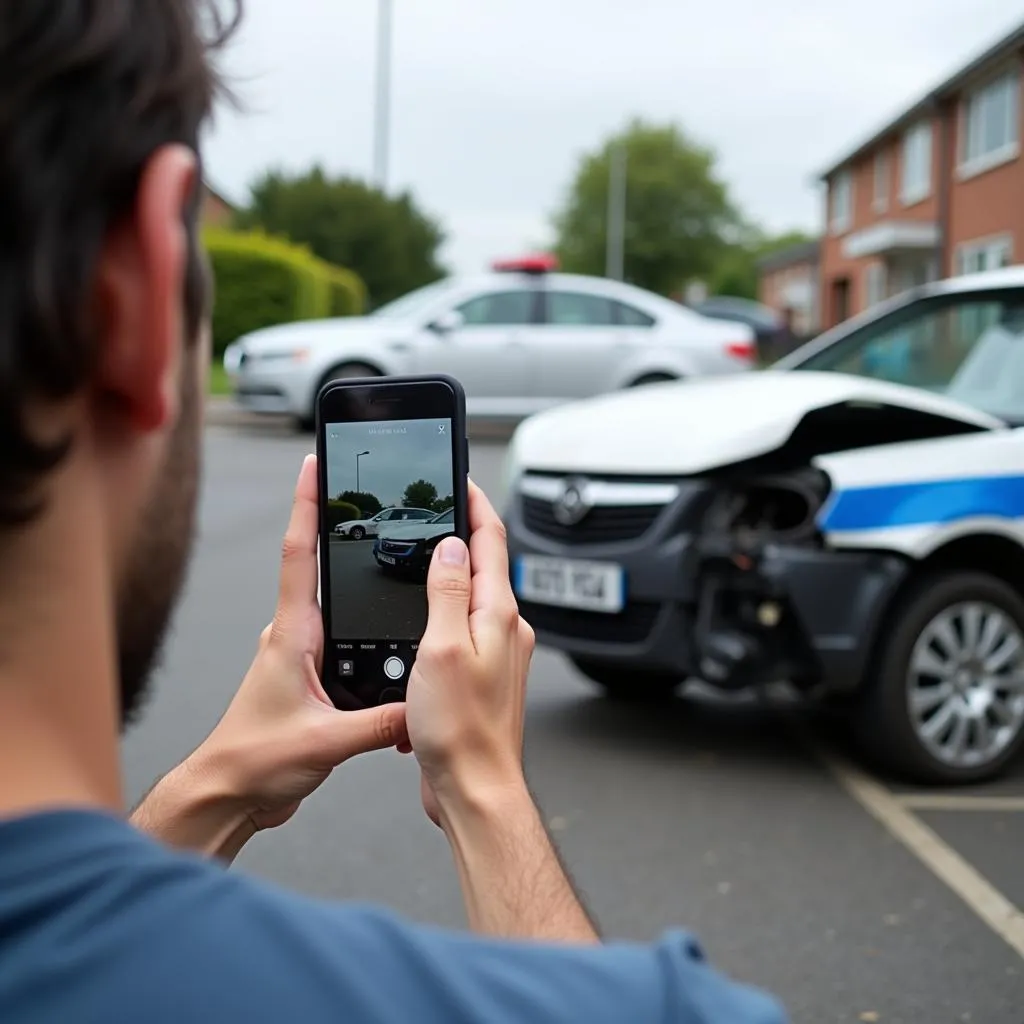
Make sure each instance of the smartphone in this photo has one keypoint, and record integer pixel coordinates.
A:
(393, 459)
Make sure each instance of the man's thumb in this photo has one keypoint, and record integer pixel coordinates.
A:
(449, 586)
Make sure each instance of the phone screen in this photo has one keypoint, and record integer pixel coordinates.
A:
(390, 499)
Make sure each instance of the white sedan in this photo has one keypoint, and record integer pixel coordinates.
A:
(520, 339)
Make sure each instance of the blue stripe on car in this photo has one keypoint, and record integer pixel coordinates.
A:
(935, 501)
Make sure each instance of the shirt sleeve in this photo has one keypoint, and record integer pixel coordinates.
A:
(395, 973)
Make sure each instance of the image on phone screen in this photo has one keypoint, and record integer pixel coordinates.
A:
(390, 501)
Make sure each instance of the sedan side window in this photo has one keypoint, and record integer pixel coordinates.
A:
(630, 316)
(499, 309)
(576, 309)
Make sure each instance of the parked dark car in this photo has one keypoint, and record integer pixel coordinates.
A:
(773, 336)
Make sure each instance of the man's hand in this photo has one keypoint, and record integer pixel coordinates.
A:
(465, 708)
(467, 690)
(281, 737)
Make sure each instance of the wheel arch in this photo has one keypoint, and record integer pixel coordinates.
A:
(337, 364)
(996, 554)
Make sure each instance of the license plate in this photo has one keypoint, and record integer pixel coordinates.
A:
(387, 559)
(568, 583)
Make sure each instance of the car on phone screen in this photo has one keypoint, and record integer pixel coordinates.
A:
(850, 521)
(410, 547)
(520, 339)
(360, 529)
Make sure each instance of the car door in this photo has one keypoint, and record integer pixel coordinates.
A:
(483, 344)
(584, 343)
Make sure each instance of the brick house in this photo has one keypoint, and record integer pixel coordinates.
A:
(938, 191)
(789, 282)
(217, 212)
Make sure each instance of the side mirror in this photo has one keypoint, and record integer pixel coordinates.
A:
(448, 322)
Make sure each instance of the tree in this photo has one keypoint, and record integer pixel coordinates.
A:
(386, 240)
(420, 494)
(443, 504)
(368, 504)
(736, 271)
(678, 214)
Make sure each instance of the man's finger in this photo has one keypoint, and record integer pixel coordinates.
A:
(448, 594)
(492, 588)
(349, 733)
(298, 556)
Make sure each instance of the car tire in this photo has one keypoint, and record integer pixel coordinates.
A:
(344, 371)
(919, 743)
(653, 378)
(357, 533)
(634, 686)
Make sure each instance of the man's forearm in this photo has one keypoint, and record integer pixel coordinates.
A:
(188, 810)
(513, 882)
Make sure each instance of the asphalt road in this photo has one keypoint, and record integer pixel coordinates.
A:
(372, 604)
(721, 819)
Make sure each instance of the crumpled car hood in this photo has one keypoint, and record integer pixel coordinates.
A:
(689, 427)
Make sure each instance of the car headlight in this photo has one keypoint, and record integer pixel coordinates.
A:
(233, 357)
(291, 355)
(511, 470)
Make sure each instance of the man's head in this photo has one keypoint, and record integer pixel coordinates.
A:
(104, 294)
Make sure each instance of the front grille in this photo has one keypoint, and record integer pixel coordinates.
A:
(397, 546)
(603, 524)
(631, 626)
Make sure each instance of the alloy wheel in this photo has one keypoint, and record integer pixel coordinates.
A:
(965, 684)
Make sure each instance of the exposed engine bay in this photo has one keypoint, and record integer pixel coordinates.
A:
(767, 586)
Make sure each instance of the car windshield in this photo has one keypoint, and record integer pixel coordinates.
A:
(411, 305)
(966, 347)
(445, 517)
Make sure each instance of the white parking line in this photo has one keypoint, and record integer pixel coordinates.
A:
(1006, 920)
(960, 802)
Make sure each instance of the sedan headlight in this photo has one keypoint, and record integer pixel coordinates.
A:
(233, 358)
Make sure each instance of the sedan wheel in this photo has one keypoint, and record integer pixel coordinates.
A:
(347, 371)
(965, 684)
(357, 533)
(944, 700)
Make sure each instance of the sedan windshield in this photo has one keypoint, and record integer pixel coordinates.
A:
(414, 304)
(969, 347)
(445, 517)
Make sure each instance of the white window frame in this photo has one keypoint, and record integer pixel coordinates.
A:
(841, 220)
(916, 168)
(974, 159)
(875, 283)
(984, 254)
(883, 163)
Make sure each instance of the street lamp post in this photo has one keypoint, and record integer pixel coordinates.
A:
(615, 245)
(382, 119)
(359, 455)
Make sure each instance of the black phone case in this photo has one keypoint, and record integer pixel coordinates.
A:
(460, 466)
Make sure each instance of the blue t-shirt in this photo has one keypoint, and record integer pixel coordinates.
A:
(100, 925)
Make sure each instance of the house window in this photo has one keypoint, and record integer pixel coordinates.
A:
(842, 202)
(881, 197)
(917, 164)
(989, 254)
(874, 284)
(991, 126)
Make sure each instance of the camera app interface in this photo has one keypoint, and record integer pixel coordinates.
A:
(390, 502)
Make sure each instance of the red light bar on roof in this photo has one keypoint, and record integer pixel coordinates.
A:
(541, 263)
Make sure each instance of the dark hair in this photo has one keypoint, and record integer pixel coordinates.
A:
(89, 90)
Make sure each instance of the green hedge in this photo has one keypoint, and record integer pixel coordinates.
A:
(262, 281)
(341, 512)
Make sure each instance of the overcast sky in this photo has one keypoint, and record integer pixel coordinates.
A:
(494, 100)
(401, 452)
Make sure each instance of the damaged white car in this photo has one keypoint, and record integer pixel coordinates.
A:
(851, 521)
